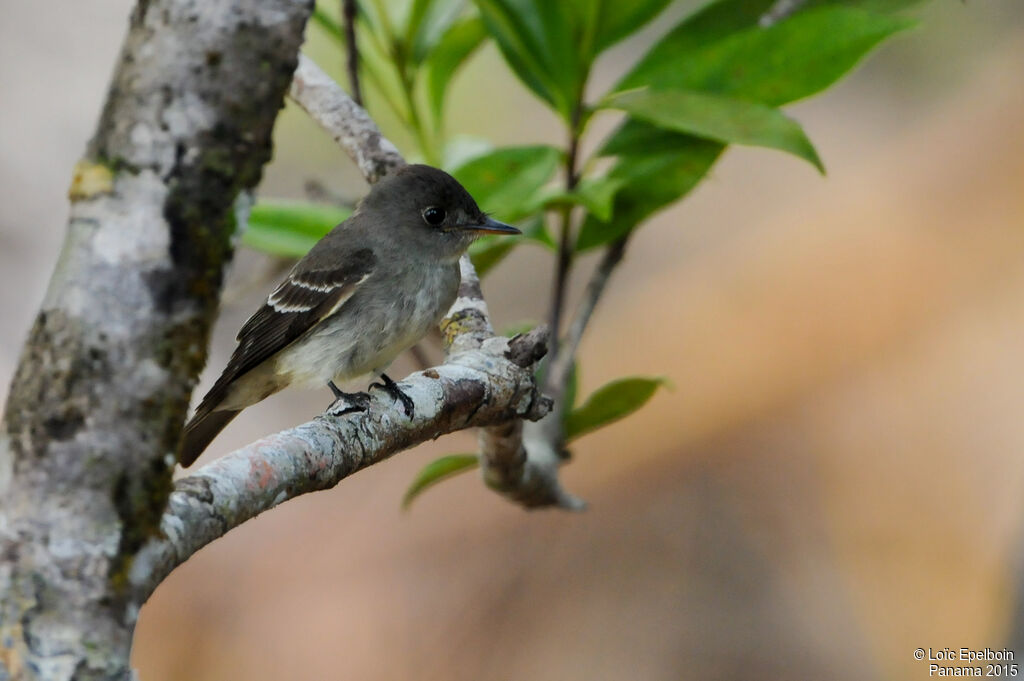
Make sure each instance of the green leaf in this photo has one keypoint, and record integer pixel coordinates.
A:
(713, 52)
(535, 230)
(290, 228)
(428, 21)
(616, 19)
(504, 181)
(461, 149)
(436, 471)
(596, 194)
(609, 403)
(651, 181)
(489, 251)
(714, 117)
(454, 47)
(722, 50)
(881, 6)
(535, 37)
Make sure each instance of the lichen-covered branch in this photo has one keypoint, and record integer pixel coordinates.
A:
(347, 122)
(96, 406)
(484, 386)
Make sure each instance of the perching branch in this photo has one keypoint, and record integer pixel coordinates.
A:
(477, 387)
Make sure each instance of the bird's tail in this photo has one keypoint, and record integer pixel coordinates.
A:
(200, 431)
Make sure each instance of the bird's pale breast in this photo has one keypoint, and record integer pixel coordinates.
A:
(378, 323)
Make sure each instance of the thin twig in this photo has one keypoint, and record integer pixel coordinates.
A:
(348, 123)
(565, 246)
(318, 192)
(348, 13)
(560, 367)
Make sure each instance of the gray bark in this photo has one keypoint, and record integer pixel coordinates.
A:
(96, 406)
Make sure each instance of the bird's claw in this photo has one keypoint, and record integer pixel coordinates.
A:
(392, 389)
(346, 403)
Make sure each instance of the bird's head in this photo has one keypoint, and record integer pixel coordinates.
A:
(427, 208)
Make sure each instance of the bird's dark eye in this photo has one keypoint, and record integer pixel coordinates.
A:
(433, 215)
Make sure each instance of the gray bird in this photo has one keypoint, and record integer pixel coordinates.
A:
(370, 289)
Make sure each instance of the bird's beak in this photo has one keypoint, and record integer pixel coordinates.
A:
(492, 226)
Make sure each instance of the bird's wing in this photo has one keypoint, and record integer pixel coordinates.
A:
(312, 291)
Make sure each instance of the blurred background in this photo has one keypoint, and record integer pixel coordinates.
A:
(833, 482)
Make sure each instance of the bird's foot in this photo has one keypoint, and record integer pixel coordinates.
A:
(392, 389)
(346, 403)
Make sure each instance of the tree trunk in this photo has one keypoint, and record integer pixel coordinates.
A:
(96, 407)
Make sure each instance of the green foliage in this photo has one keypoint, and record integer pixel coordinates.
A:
(552, 46)
(409, 52)
(611, 402)
(290, 228)
(436, 471)
(461, 39)
(614, 20)
(718, 118)
(722, 50)
(716, 78)
(538, 39)
(506, 181)
(660, 167)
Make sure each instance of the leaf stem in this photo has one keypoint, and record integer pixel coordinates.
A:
(407, 77)
(416, 122)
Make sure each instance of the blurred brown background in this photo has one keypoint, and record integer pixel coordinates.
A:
(834, 481)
